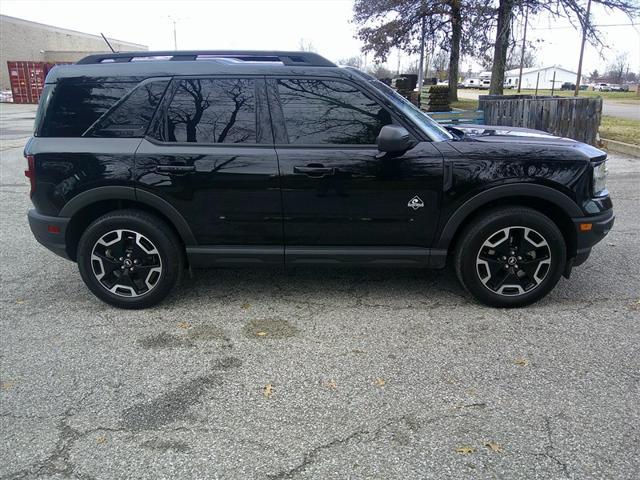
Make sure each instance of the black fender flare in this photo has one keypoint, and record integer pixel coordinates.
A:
(98, 194)
(533, 190)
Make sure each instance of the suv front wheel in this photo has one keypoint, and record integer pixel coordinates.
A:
(130, 259)
(510, 257)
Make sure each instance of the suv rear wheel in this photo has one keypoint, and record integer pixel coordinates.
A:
(130, 259)
(510, 257)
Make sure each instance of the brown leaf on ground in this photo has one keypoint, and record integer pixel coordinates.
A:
(101, 439)
(523, 362)
(494, 447)
(6, 385)
(268, 389)
(184, 325)
(331, 384)
(245, 306)
(465, 450)
(261, 334)
(380, 382)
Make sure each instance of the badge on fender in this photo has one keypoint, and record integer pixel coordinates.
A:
(415, 203)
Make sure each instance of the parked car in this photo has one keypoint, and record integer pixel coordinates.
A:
(471, 83)
(568, 86)
(619, 88)
(141, 169)
(6, 96)
(602, 87)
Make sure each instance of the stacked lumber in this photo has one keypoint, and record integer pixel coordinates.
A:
(435, 98)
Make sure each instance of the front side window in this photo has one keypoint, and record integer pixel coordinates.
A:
(220, 110)
(329, 112)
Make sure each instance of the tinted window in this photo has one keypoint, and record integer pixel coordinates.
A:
(329, 112)
(73, 108)
(131, 117)
(212, 111)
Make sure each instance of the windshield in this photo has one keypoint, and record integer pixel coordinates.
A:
(433, 129)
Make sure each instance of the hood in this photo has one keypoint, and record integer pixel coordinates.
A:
(493, 134)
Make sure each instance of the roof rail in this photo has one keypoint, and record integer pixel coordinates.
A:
(305, 59)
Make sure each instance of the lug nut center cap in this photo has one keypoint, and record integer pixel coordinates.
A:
(128, 262)
(512, 260)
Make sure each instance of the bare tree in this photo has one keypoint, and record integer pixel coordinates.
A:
(618, 68)
(576, 11)
(387, 24)
(305, 45)
(351, 62)
(380, 71)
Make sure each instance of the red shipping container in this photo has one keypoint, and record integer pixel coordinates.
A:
(27, 80)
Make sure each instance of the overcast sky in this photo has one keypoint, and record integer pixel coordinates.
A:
(267, 24)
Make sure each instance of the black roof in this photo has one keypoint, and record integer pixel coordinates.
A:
(306, 59)
(144, 64)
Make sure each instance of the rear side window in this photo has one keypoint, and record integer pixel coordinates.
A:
(74, 107)
(216, 110)
(329, 112)
(132, 115)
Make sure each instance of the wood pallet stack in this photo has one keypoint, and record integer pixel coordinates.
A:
(435, 98)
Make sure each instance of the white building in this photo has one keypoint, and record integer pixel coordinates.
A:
(545, 80)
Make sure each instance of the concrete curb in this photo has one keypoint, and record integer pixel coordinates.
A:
(621, 147)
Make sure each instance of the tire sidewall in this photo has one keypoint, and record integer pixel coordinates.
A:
(491, 224)
(151, 228)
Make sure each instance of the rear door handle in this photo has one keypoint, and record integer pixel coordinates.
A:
(175, 168)
(314, 171)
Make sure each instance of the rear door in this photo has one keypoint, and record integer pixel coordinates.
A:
(210, 154)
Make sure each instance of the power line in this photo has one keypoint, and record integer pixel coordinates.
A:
(604, 25)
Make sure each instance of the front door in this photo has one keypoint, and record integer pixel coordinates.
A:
(210, 155)
(337, 189)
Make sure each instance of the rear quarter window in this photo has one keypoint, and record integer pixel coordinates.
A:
(74, 107)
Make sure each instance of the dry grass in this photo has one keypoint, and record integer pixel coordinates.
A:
(620, 129)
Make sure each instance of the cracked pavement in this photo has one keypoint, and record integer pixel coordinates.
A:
(373, 373)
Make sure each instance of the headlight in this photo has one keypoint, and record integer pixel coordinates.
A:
(600, 179)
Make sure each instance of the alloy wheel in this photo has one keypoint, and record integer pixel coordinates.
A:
(126, 263)
(513, 261)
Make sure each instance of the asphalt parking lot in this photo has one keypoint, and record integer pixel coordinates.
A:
(317, 373)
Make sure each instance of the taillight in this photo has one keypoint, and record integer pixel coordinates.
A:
(30, 172)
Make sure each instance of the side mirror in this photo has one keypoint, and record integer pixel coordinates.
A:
(394, 139)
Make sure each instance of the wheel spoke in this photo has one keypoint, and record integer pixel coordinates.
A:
(109, 264)
(500, 278)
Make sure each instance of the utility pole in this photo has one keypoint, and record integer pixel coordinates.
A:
(585, 29)
(421, 62)
(175, 36)
(524, 42)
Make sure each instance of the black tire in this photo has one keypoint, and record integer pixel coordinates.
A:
(124, 237)
(480, 264)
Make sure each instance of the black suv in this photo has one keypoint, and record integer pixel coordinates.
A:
(145, 164)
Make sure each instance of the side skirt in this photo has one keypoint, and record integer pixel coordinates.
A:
(238, 255)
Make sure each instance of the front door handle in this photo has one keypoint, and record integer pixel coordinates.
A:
(175, 168)
(314, 170)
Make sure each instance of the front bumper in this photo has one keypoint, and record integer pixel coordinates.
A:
(49, 231)
(601, 224)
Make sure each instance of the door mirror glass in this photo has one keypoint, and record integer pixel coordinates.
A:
(394, 139)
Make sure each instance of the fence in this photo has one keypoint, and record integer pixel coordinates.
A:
(577, 118)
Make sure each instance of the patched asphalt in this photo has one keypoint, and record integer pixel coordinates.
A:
(316, 373)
